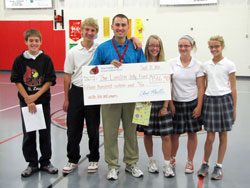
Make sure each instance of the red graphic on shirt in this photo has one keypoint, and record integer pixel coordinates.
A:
(31, 77)
(95, 70)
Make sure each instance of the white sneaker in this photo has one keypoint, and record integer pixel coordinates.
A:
(135, 171)
(168, 171)
(113, 174)
(152, 166)
(93, 167)
(69, 168)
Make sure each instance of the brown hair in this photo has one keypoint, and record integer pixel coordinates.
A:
(32, 32)
(119, 16)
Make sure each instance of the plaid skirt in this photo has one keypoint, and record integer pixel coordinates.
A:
(158, 125)
(183, 120)
(218, 113)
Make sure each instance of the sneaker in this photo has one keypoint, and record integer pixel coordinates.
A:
(50, 169)
(172, 162)
(135, 171)
(152, 166)
(168, 171)
(29, 171)
(203, 171)
(69, 168)
(93, 167)
(189, 169)
(113, 174)
(217, 173)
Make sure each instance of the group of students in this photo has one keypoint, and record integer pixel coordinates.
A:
(202, 94)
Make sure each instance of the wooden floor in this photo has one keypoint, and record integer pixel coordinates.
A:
(235, 167)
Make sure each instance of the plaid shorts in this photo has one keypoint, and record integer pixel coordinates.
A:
(183, 120)
(218, 113)
(158, 126)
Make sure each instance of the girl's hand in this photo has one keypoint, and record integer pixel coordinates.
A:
(172, 109)
(196, 112)
(163, 111)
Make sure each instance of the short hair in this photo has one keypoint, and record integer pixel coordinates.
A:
(161, 55)
(90, 22)
(32, 32)
(119, 16)
(219, 39)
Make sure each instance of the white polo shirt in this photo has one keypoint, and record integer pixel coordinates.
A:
(77, 57)
(218, 83)
(184, 84)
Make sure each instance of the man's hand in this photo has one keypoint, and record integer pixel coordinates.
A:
(116, 63)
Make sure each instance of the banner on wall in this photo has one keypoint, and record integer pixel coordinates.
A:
(75, 30)
(187, 2)
(28, 3)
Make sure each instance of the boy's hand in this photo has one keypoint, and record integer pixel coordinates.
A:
(65, 105)
(32, 108)
(30, 99)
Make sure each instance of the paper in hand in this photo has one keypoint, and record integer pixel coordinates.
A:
(34, 121)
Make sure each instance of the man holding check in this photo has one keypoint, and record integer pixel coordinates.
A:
(116, 51)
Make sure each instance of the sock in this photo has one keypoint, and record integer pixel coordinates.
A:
(219, 165)
(151, 158)
(167, 162)
(205, 162)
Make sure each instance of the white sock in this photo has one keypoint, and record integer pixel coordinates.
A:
(167, 162)
(219, 165)
(151, 158)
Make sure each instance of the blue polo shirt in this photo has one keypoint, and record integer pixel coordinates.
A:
(106, 53)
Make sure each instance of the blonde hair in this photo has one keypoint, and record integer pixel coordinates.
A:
(161, 55)
(32, 32)
(91, 22)
(218, 38)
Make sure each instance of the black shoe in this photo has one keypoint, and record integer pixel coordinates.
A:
(29, 171)
(50, 169)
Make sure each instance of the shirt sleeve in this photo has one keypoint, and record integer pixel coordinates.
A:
(141, 57)
(50, 74)
(200, 72)
(16, 76)
(69, 63)
(231, 67)
(97, 59)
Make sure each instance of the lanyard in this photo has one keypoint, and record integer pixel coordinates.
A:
(121, 57)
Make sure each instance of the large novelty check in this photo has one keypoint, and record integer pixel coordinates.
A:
(136, 82)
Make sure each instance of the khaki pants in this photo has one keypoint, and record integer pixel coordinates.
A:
(111, 115)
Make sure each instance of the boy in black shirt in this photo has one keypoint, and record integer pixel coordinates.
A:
(33, 73)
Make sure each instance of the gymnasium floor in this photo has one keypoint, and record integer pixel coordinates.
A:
(235, 167)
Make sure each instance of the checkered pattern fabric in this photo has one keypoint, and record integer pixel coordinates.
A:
(218, 113)
(158, 126)
(183, 120)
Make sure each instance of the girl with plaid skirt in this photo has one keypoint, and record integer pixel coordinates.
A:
(187, 94)
(160, 119)
(219, 108)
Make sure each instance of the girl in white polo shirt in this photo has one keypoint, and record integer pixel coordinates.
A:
(219, 108)
(187, 94)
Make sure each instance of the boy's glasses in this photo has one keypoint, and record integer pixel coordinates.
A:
(216, 47)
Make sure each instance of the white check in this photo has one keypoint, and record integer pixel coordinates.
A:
(135, 82)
